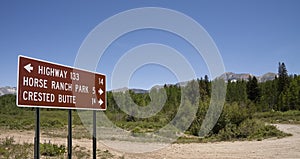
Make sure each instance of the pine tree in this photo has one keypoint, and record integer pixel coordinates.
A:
(268, 95)
(283, 85)
(236, 91)
(293, 95)
(207, 85)
(283, 78)
(253, 91)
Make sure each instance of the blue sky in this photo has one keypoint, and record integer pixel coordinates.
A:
(251, 35)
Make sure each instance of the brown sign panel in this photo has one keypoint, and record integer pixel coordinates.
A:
(48, 85)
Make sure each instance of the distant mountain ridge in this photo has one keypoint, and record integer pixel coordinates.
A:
(230, 76)
(135, 90)
(7, 90)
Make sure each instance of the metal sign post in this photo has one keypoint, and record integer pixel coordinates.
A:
(70, 134)
(94, 136)
(37, 134)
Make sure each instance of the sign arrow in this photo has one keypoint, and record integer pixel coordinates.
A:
(100, 102)
(28, 67)
(100, 91)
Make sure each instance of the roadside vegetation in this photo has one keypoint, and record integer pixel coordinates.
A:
(274, 117)
(10, 149)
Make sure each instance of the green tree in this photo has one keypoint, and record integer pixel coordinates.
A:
(236, 91)
(283, 85)
(283, 78)
(204, 88)
(293, 95)
(253, 91)
(207, 85)
(269, 97)
(289, 98)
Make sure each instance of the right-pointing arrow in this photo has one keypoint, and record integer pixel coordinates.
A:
(100, 91)
(100, 102)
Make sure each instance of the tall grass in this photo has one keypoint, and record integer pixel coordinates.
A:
(291, 116)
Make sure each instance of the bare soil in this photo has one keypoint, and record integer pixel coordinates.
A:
(288, 147)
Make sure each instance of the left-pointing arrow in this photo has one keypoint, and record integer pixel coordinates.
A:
(28, 67)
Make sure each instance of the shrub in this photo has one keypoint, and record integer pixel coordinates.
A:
(104, 154)
(8, 149)
(249, 129)
(48, 149)
(233, 114)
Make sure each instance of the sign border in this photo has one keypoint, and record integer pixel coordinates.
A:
(53, 107)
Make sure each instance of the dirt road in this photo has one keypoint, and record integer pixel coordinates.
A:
(288, 147)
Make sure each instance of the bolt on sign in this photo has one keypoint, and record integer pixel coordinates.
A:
(48, 85)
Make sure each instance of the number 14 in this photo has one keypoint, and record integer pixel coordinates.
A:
(101, 81)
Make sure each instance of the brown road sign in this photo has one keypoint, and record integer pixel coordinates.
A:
(48, 85)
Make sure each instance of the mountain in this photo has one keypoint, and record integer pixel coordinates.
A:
(267, 77)
(139, 91)
(230, 76)
(7, 90)
(135, 90)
